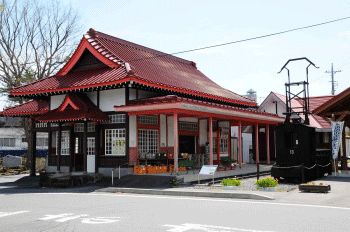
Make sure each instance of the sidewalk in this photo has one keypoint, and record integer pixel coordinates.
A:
(339, 196)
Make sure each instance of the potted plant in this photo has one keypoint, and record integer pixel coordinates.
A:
(313, 187)
(267, 184)
(230, 184)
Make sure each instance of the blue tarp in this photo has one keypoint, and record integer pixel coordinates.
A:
(40, 153)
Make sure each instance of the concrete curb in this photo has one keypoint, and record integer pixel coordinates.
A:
(167, 192)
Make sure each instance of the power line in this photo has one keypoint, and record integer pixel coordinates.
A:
(243, 40)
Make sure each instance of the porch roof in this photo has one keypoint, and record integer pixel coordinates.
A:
(75, 107)
(34, 107)
(196, 108)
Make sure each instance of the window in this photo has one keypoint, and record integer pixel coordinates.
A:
(115, 118)
(149, 119)
(54, 124)
(7, 142)
(91, 127)
(42, 142)
(148, 141)
(115, 142)
(91, 146)
(64, 142)
(224, 144)
(79, 127)
(41, 124)
(215, 145)
(188, 126)
(24, 140)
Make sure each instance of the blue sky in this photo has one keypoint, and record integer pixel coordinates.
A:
(173, 26)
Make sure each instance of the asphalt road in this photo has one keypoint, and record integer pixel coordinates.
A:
(127, 212)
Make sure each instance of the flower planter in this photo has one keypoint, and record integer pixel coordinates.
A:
(268, 189)
(314, 188)
(231, 187)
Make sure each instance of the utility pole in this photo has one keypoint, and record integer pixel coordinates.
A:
(332, 74)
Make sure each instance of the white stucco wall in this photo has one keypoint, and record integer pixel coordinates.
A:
(132, 94)
(203, 132)
(92, 96)
(111, 98)
(171, 131)
(132, 131)
(56, 101)
(162, 128)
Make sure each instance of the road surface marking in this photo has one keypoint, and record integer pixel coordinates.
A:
(4, 214)
(100, 220)
(208, 228)
(85, 219)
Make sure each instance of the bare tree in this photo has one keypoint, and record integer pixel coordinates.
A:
(36, 38)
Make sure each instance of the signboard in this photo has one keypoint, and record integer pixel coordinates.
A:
(208, 170)
(337, 129)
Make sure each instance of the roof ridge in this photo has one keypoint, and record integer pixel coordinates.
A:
(97, 34)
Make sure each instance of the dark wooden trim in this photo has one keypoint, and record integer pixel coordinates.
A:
(71, 147)
(85, 146)
(127, 139)
(59, 140)
(97, 145)
(127, 95)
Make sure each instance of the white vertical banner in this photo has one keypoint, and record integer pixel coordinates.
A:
(337, 130)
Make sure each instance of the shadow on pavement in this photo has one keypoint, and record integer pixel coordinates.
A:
(28, 184)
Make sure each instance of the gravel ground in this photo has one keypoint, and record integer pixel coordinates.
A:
(248, 185)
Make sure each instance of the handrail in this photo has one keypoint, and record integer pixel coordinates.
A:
(118, 172)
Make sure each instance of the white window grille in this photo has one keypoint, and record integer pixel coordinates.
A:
(91, 127)
(76, 148)
(115, 118)
(190, 126)
(148, 141)
(115, 142)
(224, 145)
(64, 142)
(7, 142)
(42, 142)
(41, 124)
(79, 127)
(148, 119)
(54, 124)
(91, 146)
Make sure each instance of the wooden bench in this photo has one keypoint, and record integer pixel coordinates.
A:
(188, 164)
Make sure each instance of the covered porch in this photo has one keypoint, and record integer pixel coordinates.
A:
(207, 126)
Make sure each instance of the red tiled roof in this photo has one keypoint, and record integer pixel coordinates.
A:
(175, 99)
(73, 80)
(148, 66)
(74, 107)
(35, 107)
(315, 120)
(343, 96)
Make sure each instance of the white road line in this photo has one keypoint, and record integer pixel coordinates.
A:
(208, 228)
(4, 214)
(51, 217)
(196, 199)
(71, 218)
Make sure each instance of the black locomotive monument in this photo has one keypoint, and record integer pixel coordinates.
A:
(297, 157)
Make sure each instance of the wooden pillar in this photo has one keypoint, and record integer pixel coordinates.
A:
(59, 141)
(257, 143)
(33, 149)
(85, 147)
(211, 140)
(267, 131)
(344, 160)
(240, 155)
(176, 143)
(49, 145)
(97, 145)
(71, 147)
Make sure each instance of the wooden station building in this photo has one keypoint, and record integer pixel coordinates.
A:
(114, 100)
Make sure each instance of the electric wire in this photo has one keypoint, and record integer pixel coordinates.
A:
(243, 40)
